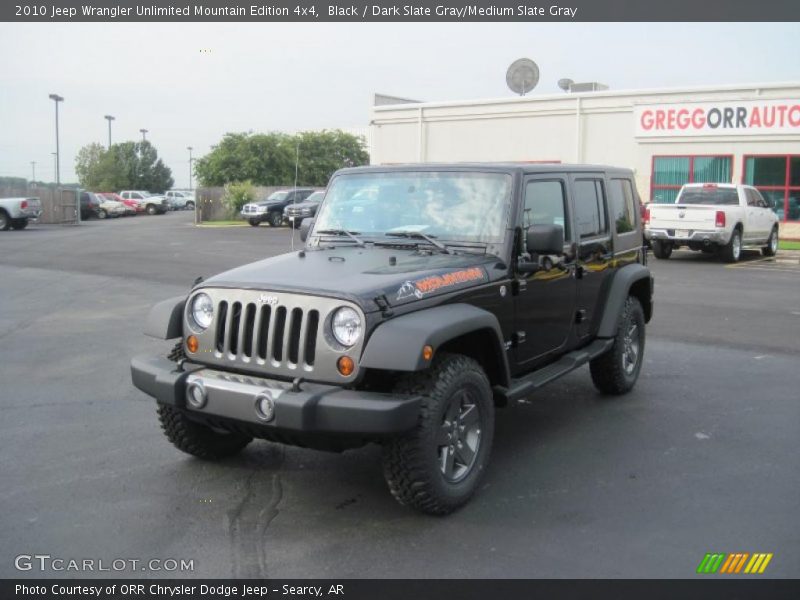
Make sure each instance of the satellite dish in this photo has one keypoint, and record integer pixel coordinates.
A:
(522, 76)
(565, 83)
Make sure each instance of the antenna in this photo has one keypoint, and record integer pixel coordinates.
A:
(294, 200)
(522, 76)
(565, 83)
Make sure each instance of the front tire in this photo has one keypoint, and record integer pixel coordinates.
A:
(661, 249)
(436, 467)
(254, 222)
(102, 214)
(616, 371)
(771, 249)
(196, 439)
(732, 251)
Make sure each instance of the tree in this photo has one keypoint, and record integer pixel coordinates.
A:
(320, 153)
(127, 165)
(269, 159)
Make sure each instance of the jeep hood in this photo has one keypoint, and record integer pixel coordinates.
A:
(362, 274)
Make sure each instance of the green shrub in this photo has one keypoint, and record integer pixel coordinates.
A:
(236, 195)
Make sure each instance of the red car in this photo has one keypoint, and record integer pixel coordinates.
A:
(132, 204)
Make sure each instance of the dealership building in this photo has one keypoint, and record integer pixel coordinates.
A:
(743, 133)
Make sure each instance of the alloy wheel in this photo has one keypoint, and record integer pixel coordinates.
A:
(459, 437)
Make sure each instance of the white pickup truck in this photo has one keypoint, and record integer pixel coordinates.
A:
(713, 217)
(16, 212)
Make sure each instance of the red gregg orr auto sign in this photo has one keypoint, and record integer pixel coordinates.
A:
(744, 117)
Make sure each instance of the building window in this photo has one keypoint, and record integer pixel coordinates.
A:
(778, 180)
(671, 172)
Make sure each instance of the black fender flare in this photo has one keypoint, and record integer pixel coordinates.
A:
(618, 292)
(396, 345)
(165, 320)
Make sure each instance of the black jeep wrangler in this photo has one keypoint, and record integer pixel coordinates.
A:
(425, 297)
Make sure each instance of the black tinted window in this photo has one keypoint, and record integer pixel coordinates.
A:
(545, 205)
(590, 207)
(709, 195)
(622, 205)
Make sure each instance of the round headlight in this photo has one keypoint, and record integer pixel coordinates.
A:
(346, 326)
(202, 310)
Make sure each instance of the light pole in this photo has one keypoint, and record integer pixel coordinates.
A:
(189, 148)
(109, 118)
(55, 161)
(33, 171)
(56, 98)
(144, 134)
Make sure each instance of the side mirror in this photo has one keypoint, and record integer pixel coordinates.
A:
(305, 227)
(545, 239)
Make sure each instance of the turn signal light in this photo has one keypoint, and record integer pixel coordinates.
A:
(427, 352)
(345, 365)
(720, 220)
(192, 344)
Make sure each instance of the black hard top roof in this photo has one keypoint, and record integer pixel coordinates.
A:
(505, 167)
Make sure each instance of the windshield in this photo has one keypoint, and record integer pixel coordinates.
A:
(713, 195)
(277, 195)
(455, 206)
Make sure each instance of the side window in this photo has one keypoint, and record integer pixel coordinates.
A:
(760, 199)
(590, 208)
(545, 204)
(622, 205)
(751, 197)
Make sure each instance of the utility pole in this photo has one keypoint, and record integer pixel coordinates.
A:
(33, 171)
(189, 148)
(144, 134)
(109, 118)
(56, 98)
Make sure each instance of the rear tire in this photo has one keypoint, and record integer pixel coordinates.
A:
(102, 214)
(732, 251)
(19, 224)
(189, 206)
(275, 219)
(5, 222)
(436, 467)
(661, 249)
(151, 209)
(198, 440)
(616, 371)
(771, 249)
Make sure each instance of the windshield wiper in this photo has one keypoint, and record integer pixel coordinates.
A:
(351, 234)
(419, 235)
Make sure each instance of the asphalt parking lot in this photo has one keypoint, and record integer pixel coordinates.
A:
(700, 457)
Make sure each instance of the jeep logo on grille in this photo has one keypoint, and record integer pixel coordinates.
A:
(268, 299)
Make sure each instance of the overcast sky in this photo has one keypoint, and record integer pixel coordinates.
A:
(289, 77)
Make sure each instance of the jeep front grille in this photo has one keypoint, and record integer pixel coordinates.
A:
(272, 333)
(267, 334)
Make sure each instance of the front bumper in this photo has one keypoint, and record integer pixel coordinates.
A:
(688, 236)
(315, 408)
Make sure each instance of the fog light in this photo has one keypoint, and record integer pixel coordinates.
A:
(196, 395)
(345, 365)
(265, 407)
(192, 344)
